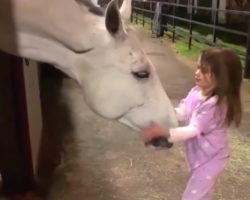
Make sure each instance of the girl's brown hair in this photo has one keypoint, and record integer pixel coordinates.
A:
(225, 66)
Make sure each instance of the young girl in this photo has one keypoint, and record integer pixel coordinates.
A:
(209, 108)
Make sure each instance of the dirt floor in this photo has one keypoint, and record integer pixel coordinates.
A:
(96, 159)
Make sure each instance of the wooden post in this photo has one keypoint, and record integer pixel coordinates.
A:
(15, 149)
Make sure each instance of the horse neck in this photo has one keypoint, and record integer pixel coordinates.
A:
(51, 31)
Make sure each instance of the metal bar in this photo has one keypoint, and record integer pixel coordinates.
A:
(152, 15)
(198, 38)
(136, 20)
(214, 26)
(201, 8)
(173, 38)
(203, 24)
(132, 13)
(145, 10)
(215, 21)
(247, 63)
(211, 26)
(143, 21)
(190, 25)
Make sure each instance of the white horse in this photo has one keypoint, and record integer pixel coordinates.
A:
(96, 49)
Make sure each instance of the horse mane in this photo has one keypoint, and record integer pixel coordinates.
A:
(97, 10)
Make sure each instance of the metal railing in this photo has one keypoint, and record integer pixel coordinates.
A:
(143, 9)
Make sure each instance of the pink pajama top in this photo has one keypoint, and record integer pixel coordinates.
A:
(204, 132)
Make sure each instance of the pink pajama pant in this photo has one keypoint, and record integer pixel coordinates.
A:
(202, 179)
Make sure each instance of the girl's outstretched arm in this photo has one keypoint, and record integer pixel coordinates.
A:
(182, 133)
(173, 135)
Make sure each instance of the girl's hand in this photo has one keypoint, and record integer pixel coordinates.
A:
(152, 132)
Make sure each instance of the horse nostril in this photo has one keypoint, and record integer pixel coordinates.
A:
(141, 74)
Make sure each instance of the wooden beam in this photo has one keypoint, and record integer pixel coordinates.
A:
(15, 151)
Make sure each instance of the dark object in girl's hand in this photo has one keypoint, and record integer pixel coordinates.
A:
(160, 142)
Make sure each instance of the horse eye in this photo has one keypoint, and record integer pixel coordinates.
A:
(141, 74)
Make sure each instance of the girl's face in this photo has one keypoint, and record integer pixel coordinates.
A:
(204, 80)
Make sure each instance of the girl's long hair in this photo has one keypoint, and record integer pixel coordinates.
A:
(225, 66)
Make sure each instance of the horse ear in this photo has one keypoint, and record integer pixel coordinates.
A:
(113, 20)
(126, 10)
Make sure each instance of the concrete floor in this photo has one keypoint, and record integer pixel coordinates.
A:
(96, 159)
